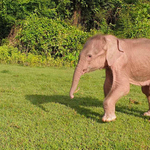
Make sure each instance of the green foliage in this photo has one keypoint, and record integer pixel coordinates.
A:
(64, 8)
(104, 15)
(60, 27)
(47, 36)
(16, 10)
(134, 21)
(11, 55)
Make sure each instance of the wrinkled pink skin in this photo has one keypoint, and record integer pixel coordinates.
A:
(126, 61)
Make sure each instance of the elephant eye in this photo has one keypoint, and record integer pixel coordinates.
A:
(89, 56)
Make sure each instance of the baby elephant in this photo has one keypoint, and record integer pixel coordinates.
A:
(126, 61)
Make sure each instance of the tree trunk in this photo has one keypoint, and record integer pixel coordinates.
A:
(77, 15)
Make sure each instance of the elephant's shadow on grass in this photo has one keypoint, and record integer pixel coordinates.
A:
(80, 105)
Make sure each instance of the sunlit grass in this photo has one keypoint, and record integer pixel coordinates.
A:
(37, 113)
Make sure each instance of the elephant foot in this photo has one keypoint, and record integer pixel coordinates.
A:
(108, 118)
(147, 113)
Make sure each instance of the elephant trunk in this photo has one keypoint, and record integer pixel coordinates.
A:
(76, 77)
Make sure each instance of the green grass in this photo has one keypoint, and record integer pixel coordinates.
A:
(37, 113)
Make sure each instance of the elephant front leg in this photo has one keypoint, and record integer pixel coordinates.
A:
(117, 91)
(108, 81)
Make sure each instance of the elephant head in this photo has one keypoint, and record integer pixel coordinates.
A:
(99, 52)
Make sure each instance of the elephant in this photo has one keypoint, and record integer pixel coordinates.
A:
(126, 61)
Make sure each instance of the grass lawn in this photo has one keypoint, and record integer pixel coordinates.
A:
(37, 113)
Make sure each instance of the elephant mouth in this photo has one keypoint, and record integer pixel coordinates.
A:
(84, 71)
(89, 70)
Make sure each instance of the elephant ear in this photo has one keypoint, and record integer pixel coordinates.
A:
(114, 49)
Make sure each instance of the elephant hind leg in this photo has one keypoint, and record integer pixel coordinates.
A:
(146, 91)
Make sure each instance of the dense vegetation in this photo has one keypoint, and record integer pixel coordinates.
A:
(58, 29)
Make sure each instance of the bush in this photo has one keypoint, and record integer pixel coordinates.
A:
(133, 21)
(45, 36)
(12, 11)
(11, 55)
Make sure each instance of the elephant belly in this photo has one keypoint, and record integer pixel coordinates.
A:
(139, 83)
(138, 68)
(140, 77)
